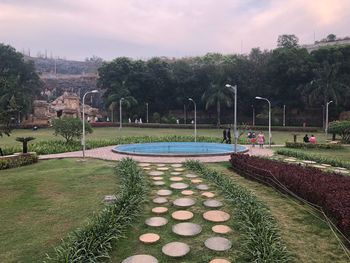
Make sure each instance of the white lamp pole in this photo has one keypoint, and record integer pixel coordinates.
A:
(120, 113)
(195, 119)
(270, 135)
(284, 115)
(253, 116)
(234, 89)
(147, 111)
(326, 130)
(83, 141)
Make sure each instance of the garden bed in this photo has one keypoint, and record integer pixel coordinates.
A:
(17, 160)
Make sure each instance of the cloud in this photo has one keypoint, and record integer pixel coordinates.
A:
(145, 28)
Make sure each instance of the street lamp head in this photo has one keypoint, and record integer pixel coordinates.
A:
(228, 86)
(121, 99)
(94, 91)
(259, 98)
(330, 102)
(190, 99)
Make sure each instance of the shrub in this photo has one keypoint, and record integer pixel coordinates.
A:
(70, 128)
(94, 241)
(156, 117)
(262, 242)
(323, 146)
(13, 161)
(329, 191)
(341, 128)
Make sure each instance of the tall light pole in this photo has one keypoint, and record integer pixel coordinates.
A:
(120, 113)
(270, 135)
(326, 129)
(253, 122)
(83, 141)
(284, 115)
(234, 89)
(195, 119)
(147, 112)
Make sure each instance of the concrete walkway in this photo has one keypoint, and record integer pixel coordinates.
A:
(105, 153)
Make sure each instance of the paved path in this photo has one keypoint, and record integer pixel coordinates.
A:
(105, 153)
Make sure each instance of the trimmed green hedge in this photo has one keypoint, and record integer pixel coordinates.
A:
(313, 157)
(13, 161)
(262, 242)
(323, 146)
(94, 241)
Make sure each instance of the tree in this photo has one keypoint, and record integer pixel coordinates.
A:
(24, 141)
(331, 37)
(342, 128)
(287, 41)
(70, 128)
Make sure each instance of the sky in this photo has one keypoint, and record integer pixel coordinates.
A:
(77, 29)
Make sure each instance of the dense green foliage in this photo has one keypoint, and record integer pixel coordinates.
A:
(341, 128)
(70, 128)
(313, 157)
(262, 242)
(19, 85)
(323, 146)
(17, 161)
(93, 242)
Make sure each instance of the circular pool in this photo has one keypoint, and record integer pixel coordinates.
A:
(178, 149)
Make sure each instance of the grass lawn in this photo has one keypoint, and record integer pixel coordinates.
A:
(111, 132)
(41, 203)
(308, 238)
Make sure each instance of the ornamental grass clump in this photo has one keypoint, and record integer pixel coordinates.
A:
(94, 241)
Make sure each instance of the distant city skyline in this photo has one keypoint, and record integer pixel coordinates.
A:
(179, 28)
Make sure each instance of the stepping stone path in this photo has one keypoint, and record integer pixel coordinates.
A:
(144, 164)
(208, 194)
(212, 203)
(156, 221)
(218, 243)
(162, 168)
(146, 168)
(191, 176)
(187, 229)
(149, 238)
(160, 210)
(164, 192)
(159, 183)
(179, 186)
(175, 173)
(196, 181)
(160, 164)
(179, 169)
(182, 215)
(216, 216)
(308, 162)
(221, 229)
(160, 200)
(176, 165)
(184, 202)
(155, 173)
(202, 187)
(157, 178)
(140, 259)
(175, 249)
(219, 260)
(187, 192)
(176, 179)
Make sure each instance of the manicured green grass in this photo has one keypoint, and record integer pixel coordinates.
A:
(41, 203)
(111, 132)
(307, 237)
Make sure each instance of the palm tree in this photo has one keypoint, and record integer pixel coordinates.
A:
(217, 95)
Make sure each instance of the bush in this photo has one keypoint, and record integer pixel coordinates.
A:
(262, 242)
(70, 128)
(323, 146)
(341, 128)
(94, 241)
(313, 157)
(13, 161)
(329, 191)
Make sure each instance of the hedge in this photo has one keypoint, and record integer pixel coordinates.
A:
(94, 241)
(330, 191)
(12, 161)
(323, 146)
(262, 241)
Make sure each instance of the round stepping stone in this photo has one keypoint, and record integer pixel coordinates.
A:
(159, 183)
(187, 192)
(326, 165)
(149, 238)
(176, 179)
(216, 216)
(202, 187)
(184, 202)
(208, 194)
(340, 168)
(182, 215)
(212, 203)
(176, 249)
(162, 168)
(164, 192)
(218, 243)
(290, 160)
(221, 229)
(156, 221)
(157, 178)
(179, 169)
(196, 181)
(176, 165)
(341, 171)
(308, 162)
(191, 175)
(147, 168)
(160, 200)
(144, 164)
(140, 259)
(187, 229)
(219, 260)
(155, 173)
(319, 166)
(179, 186)
(160, 164)
(160, 210)
(175, 173)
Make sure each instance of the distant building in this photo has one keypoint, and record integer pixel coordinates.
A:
(321, 44)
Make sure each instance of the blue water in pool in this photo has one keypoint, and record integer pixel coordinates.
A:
(178, 148)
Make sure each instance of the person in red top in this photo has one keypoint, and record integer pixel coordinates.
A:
(313, 139)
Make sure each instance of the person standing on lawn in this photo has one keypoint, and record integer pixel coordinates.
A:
(228, 136)
(261, 140)
(224, 137)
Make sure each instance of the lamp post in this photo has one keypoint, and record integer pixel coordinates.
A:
(234, 89)
(284, 115)
(270, 135)
(253, 123)
(147, 112)
(120, 113)
(326, 129)
(195, 119)
(83, 141)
